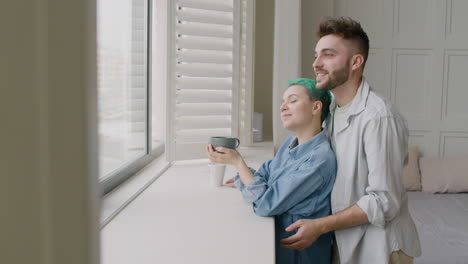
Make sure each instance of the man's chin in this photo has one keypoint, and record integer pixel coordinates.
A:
(321, 85)
(324, 86)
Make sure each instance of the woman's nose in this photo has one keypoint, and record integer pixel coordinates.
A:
(283, 107)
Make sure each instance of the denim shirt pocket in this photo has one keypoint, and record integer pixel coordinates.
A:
(303, 164)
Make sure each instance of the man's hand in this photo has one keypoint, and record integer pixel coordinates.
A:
(309, 231)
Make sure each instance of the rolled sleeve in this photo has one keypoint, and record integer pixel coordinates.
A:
(254, 190)
(372, 205)
(237, 181)
(257, 186)
(385, 147)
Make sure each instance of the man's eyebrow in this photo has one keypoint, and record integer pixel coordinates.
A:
(327, 49)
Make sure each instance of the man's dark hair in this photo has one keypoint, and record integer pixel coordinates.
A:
(348, 29)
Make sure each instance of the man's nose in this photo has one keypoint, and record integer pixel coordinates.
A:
(317, 63)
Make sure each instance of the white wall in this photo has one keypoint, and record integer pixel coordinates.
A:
(286, 60)
(48, 191)
(311, 13)
(263, 86)
(418, 59)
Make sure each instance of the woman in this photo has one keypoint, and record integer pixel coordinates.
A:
(297, 182)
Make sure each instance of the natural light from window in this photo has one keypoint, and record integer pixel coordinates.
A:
(122, 83)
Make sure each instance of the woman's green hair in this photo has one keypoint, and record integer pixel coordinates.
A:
(323, 96)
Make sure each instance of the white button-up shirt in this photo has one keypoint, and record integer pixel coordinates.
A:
(371, 150)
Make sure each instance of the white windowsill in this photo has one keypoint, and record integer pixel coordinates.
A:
(116, 200)
(178, 214)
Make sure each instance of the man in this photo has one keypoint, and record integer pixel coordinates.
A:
(369, 205)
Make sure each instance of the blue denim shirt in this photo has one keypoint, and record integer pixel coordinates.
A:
(295, 184)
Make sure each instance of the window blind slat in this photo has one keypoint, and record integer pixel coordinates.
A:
(204, 70)
(205, 30)
(203, 96)
(201, 43)
(217, 5)
(199, 56)
(204, 83)
(203, 109)
(202, 122)
(205, 16)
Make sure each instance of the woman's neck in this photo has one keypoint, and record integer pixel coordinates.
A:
(306, 134)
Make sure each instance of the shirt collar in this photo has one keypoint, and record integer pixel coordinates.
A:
(359, 101)
(300, 150)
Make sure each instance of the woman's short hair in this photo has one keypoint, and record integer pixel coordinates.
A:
(323, 96)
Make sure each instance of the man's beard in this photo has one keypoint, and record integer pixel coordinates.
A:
(336, 78)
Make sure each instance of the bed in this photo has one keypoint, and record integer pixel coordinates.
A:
(442, 224)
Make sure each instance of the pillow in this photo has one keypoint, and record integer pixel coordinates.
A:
(411, 175)
(442, 175)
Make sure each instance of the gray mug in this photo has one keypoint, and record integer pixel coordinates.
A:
(227, 142)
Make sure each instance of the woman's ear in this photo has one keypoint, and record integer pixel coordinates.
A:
(317, 107)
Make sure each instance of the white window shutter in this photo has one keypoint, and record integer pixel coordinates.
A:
(204, 74)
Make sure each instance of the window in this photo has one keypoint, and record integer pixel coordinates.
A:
(126, 141)
(175, 72)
